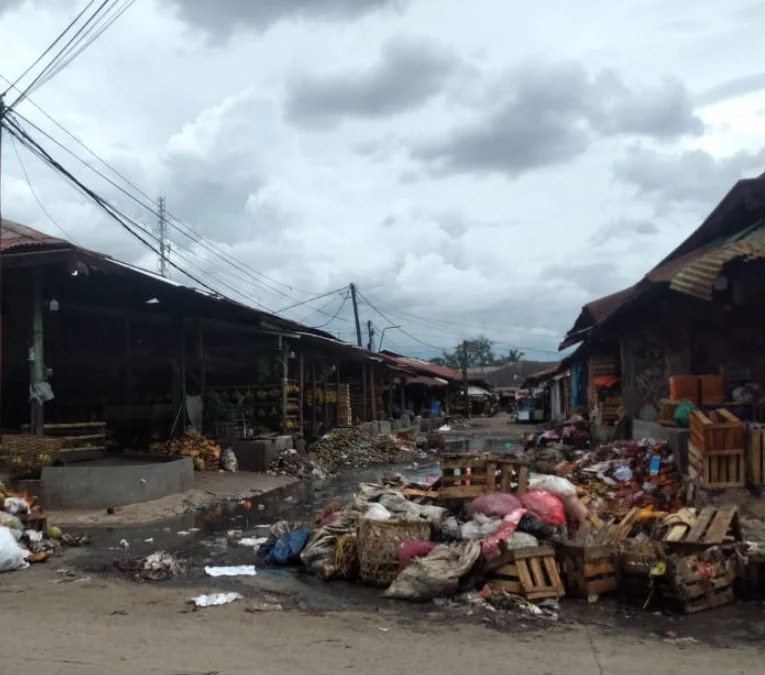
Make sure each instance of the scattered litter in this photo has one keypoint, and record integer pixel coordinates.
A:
(257, 607)
(232, 571)
(160, 566)
(228, 461)
(75, 540)
(383, 630)
(150, 540)
(215, 599)
(12, 557)
(124, 543)
(252, 542)
(183, 533)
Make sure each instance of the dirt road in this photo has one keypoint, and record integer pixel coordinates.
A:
(122, 627)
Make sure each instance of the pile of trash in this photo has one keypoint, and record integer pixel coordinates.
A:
(351, 448)
(293, 463)
(24, 536)
(206, 454)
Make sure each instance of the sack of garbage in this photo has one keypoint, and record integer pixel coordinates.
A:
(287, 548)
(546, 506)
(495, 505)
(450, 529)
(437, 574)
(12, 557)
(228, 460)
(16, 505)
(319, 553)
(558, 486)
(479, 528)
(377, 512)
(521, 540)
(413, 548)
(575, 511)
(10, 521)
(401, 507)
(490, 546)
(531, 524)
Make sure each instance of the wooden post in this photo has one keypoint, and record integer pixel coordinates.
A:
(128, 365)
(337, 394)
(390, 395)
(285, 382)
(326, 404)
(364, 409)
(36, 367)
(403, 395)
(313, 399)
(372, 390)
(301, 394)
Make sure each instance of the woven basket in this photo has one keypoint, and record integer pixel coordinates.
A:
(27, 453)
(379, 542)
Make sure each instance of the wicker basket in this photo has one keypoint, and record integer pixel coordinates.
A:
(27, 453)
(379, 542)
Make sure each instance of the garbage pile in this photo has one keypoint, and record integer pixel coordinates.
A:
(24, 535)
(344, 448)
(613, 523)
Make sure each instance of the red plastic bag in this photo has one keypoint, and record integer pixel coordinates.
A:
(495, 505)
(545, 506)
(490, 546)
(413, 548)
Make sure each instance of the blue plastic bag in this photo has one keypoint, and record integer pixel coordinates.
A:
(286, 549)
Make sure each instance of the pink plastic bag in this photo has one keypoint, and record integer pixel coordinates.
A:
(490, 546)
(575, 510)
(413, 548)
(495, 505)
(545, 506)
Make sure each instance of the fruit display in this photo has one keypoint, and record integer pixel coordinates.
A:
(204, 452)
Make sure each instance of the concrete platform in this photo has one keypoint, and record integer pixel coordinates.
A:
(675, 437)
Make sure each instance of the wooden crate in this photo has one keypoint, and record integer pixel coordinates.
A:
(588, 570)
(667, 408)
(636, 560)
(717, 469)
(755, 459)
(713, 527)
(531, 573)
(717, 430)
(697, 582)
(465, 476)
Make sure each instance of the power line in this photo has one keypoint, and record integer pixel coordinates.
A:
(34, 193)
(318, 297)
(320, 310)
(337, 313)
(49, 49)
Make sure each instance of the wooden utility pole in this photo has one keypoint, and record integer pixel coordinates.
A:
(371, 331)
(356, 313)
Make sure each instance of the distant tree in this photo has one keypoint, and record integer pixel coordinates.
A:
(480, 353)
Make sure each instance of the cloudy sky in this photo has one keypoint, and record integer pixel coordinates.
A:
(487, 166)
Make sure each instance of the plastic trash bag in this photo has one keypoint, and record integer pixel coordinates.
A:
(10, 521)
(479, 528)
(286, 549)
(437, 574)
(535, 526)
(683, 414)
(377, 512)
(16, 505)
(228, 460)
(12, 557)
(490, 546)
(411, 549)
(495, 505)
(558, 486)
(575, 510)
(546, 506)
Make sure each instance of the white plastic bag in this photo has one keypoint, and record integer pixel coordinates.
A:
(560, 487)
(377, 512)
(12, 557)
(228, 460)
(15, 505)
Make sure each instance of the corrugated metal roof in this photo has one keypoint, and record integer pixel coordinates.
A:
(15, 235)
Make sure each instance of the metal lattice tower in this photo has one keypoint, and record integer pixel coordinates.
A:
(164, 241)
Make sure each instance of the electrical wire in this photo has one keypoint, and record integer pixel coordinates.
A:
(12, 85)
(304, 320)
(318, 297)
(45, 71)
(34, 192)
(337, 313)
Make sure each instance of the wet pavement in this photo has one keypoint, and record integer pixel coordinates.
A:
(202, 538)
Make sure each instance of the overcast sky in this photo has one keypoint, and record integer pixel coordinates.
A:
(485, 166)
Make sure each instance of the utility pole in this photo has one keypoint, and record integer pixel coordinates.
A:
(465, 377)
(371, 331)
(164, 243)
(356, 313)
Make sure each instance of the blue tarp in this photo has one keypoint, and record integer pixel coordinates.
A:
(579, 385)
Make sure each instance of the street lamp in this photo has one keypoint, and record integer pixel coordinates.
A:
(382, 335)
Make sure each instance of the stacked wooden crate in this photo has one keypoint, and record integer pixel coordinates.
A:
(598, 366)
(344, 411)
(717, 449)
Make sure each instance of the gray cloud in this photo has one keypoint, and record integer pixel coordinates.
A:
(732, 89)
(624, 228)
(595, 279)
(406, 75)
(693, 177)
(548, 116)
(223, 18)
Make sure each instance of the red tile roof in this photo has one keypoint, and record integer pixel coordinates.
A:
(14, 235)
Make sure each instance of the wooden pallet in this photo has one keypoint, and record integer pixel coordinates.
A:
(465, 475)
(588, 570)
(755, 458)
(717, 469)
(531, 573)
(713, 527)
